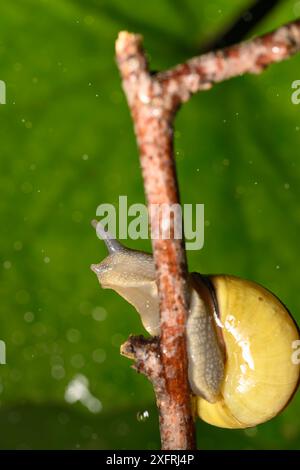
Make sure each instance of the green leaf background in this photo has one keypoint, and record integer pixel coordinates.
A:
(67, 145)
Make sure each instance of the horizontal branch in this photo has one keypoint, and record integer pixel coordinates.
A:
(147, 360)
(200, 73)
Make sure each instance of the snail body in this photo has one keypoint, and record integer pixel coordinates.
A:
(239, 337)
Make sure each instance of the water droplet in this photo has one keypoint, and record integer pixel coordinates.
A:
(99, 355)
(89, 20)
(144, 98)
(7, 265)
(275, 49)
(240, 190)
(73, 336)
(56, 359)
(156, 112)
(85, 157)
(99, 313)
(86, 432)
(18, 245)
(58, 372)
(46, 259)
(39, 329)
(28, 317)
(142, 415)
(77, 361)
(26, 188)
(63, 418)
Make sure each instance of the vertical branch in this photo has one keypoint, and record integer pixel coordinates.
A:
(152, 112)
(153, 101)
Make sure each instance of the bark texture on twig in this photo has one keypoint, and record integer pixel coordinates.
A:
(147, 356)
(152, 115)
(201, 73)
(153, 101)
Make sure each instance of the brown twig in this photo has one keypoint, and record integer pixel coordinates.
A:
(153, 101)
(200, 73)
(146, 354)
(148, 361)
(152, 118)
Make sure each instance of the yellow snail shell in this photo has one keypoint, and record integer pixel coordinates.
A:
(239, 337)
(260, 376)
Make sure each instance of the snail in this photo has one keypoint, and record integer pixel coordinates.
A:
(239, 337)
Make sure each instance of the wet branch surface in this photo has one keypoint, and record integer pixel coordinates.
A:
(153, 100)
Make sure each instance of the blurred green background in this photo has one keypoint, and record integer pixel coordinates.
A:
(67, 145)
